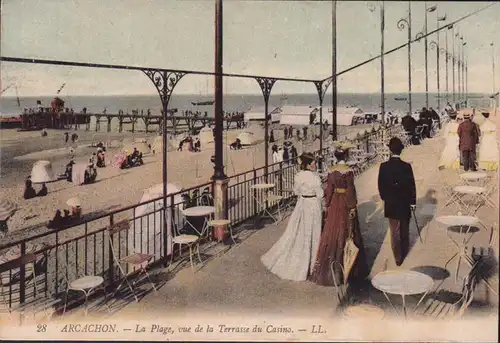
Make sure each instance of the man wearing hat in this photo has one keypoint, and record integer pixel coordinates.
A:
(468, 136)
(396, 186)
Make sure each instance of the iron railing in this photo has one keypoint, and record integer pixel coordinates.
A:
(84, 248)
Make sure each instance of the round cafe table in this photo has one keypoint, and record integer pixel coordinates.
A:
(473, 176)
(464, 224)
(262, 202)
(199, 211)
(403, 282)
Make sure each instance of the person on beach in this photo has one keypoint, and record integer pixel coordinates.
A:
(29, 191)
(101, 163)
(435, 117)
(292, 257)
(66, 137)
(293, 155)
(396, 186)
(271, 137)
(285, 132)
(341, 223)
(468, 135)
(43, 191)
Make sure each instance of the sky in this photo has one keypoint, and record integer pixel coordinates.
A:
(274, 38)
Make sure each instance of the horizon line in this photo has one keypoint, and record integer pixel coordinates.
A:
(206, 96)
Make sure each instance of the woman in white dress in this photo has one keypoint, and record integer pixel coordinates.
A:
(450, 158)
(488, 147)
(293, 256)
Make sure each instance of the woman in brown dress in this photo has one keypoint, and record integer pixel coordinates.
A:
(340, 199)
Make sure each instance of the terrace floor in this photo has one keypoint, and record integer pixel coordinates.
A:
(234, 282)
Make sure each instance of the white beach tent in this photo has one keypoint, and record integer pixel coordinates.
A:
(247, 138)
(345, 115)
(149, 221)
(297, 115)
(257, 114)
(206, 136)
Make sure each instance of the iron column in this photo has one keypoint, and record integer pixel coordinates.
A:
(382, 81)
(401, 25)
(219, 117)
(334, 70)
(453, 62)
(463, 69)
(438, 19)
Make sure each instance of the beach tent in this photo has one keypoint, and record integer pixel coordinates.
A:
(148, 221)
(206, 136)
(298, 115)
(42, 172)
(257, 114)
(78, 173)
(346, 116)
(247, 138)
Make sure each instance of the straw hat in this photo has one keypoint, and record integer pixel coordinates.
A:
(42, 172)
(74, 202)
(7, 209)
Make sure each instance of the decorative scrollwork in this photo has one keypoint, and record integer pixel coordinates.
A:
(443, 51)
(419, 36)
(322, 87)
(449, 55)
(165, 82)
(266, 85)
(402, 24)
(433, 45)
(371, 6)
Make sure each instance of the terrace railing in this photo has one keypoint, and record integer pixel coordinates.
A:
(83, 248)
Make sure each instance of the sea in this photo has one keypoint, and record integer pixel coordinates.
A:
(396, 103)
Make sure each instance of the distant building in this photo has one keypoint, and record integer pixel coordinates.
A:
(257, 114)
(299, 115)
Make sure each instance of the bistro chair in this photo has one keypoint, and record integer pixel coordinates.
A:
(139, 261)
(192, 241)
(435, 308)
(39, 302)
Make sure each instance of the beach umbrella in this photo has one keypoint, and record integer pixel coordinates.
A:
(350, 249)
(42, 172)
(141, 147)
(7, 209)
(74, 202)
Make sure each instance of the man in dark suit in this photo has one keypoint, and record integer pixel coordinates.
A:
(468, 134)
(396, 186)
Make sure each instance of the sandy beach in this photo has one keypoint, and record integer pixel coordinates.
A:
(114, 188)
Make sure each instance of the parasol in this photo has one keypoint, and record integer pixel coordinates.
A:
(350, 249)
(74, 202)
(7, 209)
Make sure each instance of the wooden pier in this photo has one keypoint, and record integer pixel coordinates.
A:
(175, 123)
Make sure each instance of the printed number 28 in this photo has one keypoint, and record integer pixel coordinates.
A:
(41, 328)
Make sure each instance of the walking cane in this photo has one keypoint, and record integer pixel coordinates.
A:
(416, 223)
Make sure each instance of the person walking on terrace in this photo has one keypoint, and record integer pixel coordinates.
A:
(292, 257)
(396, 186)
(341, 224)
(468, 135)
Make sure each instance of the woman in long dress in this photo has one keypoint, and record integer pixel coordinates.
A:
(293, 255)
(340, 202)
(450, 157)
(488, 148)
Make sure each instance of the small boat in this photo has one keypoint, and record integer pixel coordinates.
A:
(203, 103)
(400, 99)
(10, 122)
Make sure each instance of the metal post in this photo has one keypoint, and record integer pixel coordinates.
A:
(426, 61)
(438, 19)
(401, 25)
(466, 86)
(493, 91)
(459, 96)
(382, 81)
(453, 62)
(463, 70)
(334, 70)
(321, 87)
(266, 85)
(447, 78)
(219, 119)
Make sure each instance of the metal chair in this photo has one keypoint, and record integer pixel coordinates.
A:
(189, 240)
(438, 309)
(137, 260)
(39, 302)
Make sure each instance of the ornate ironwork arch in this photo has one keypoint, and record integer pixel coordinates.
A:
(266, 86)
(165, 82)
(322, 87)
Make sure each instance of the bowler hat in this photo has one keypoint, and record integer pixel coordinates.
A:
(395, 145)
